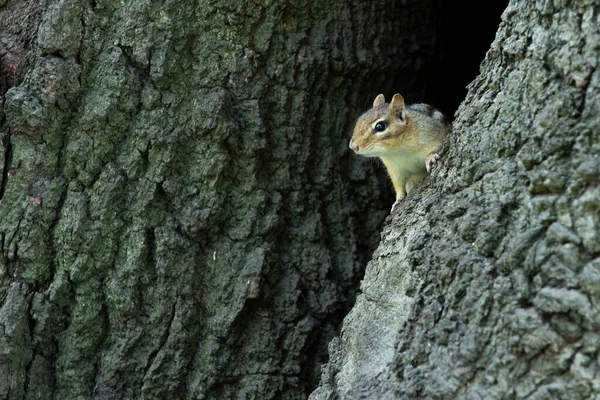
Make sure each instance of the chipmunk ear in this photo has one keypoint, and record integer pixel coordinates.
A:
(379, 100)
(397, 107)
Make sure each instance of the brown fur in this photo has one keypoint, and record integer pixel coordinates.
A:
(413, 137)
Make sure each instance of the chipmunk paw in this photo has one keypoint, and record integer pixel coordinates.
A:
(432, 162)
(397, 203)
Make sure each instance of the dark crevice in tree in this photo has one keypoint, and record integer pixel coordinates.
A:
(162, 342)
(31, 324)
(314, 356)
(462, 41)
(584, 89)
(7, 153)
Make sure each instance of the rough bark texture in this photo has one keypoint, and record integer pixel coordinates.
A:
(486, 284)
(180, 216)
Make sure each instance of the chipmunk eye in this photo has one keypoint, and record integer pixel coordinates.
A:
(381, 126)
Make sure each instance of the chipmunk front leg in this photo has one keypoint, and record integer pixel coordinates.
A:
(397, 180)
(399, 198)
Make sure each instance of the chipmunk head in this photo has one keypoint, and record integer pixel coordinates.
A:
(380, 130)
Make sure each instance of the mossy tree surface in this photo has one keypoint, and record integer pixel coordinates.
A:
(175, 211)
(487, 282)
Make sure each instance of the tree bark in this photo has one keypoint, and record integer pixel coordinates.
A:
(486, 284)
(180, 216)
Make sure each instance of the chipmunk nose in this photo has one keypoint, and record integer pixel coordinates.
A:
(353, 146)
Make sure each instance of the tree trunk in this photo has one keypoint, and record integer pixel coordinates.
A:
(486, 284)
(180, 216)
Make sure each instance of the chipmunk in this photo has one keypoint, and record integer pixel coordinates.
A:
(406, 139)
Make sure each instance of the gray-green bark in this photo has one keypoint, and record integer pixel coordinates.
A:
(486, 284)
(180, 216)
